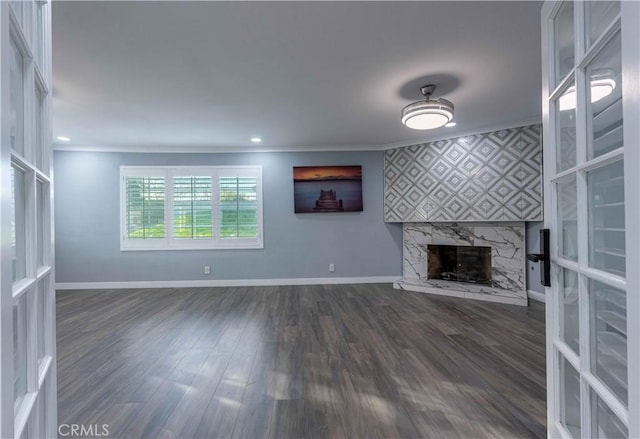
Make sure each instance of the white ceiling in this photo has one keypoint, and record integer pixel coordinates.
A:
(301, 75)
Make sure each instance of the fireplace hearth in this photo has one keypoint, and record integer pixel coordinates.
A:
(458, 263)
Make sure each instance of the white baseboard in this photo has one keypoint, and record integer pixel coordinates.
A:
(534, 295)
(224, 283)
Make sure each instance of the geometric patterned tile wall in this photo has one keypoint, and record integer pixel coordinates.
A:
(494, 176)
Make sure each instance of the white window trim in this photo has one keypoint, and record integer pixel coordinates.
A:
(169, 242)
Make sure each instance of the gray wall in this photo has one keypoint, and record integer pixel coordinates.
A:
(533, 246)
(295, 246)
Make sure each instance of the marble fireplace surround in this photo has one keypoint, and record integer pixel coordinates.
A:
(507, 242)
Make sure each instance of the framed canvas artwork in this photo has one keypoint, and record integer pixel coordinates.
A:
(322, 189)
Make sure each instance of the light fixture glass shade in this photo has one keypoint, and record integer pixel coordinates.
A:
(427, 115)
(600, 88)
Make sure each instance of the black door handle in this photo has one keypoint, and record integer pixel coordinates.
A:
(543, 256)
(535, 257)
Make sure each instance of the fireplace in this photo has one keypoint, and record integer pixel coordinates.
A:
(459, 263)
(481, 261)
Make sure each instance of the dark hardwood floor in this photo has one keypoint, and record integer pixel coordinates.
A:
(347, 361)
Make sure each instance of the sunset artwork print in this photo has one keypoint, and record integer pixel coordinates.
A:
(322, 189)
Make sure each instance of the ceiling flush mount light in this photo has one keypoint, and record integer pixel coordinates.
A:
(63, 139)
(256, 139)
(427, 114)
(602, 85)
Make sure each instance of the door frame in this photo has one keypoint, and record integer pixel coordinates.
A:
(631, 112)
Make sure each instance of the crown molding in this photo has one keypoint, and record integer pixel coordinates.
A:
(215, 149)
(474, 131)
(316, 148)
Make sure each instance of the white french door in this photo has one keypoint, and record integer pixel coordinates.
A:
(27, 295)
(591, 89)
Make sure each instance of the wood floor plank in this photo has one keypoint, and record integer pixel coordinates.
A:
(219, 416)
(160, 405)
(339, 361)
(255, 412)
(183, 421)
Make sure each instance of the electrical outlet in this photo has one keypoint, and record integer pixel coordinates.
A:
(332, 268)
(207, 269)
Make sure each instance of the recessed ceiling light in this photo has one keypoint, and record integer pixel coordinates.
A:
(256, 139)
(450, 124)
(63, 139)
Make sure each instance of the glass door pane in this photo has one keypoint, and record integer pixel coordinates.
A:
(609, 337)
(40, 223)
(43, 288)
(39, 12)
(569, 309)
(567, 228)
(564, 41)
(38, 125)
(606, 219)
(570, 398)
(599, 15)
(19, 351)
(18, 231)
(566, 120)
(605, 92)
(605, 424)
(16, 80)
(16, 6)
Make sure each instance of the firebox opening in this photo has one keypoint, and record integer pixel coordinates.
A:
(471, 264)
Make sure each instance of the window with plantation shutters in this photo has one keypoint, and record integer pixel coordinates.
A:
(144, 207)
(180, 208)
(192, 208)
(238, 216)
